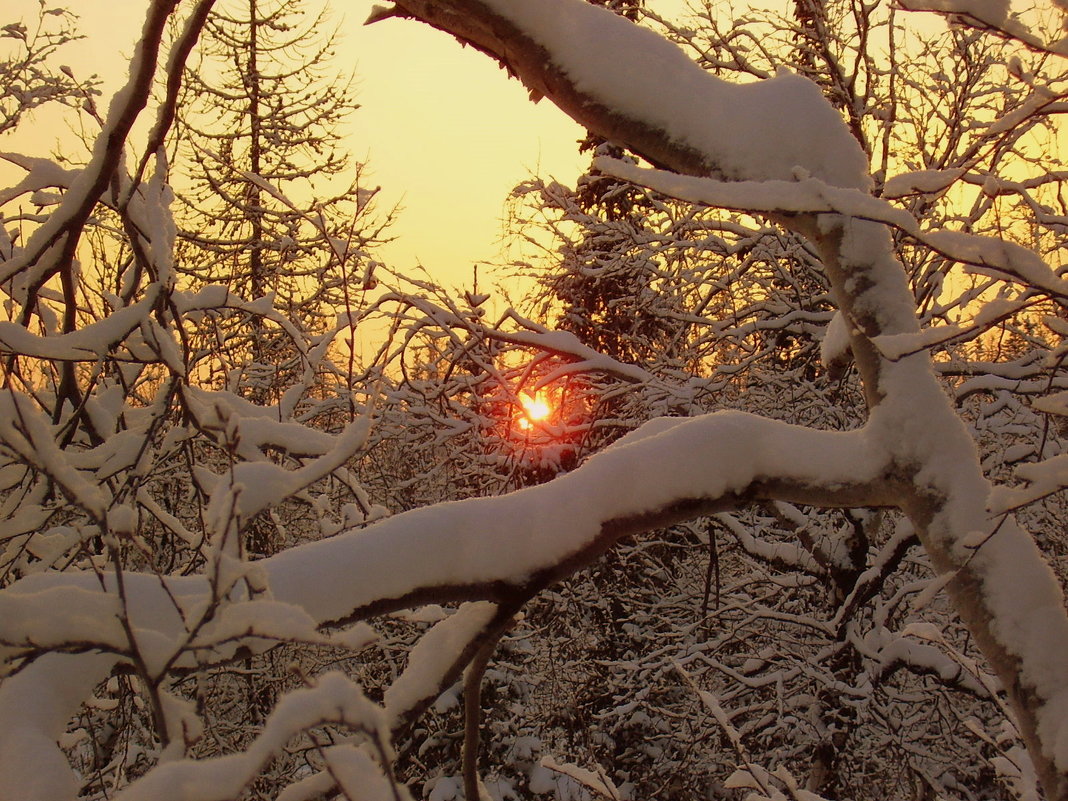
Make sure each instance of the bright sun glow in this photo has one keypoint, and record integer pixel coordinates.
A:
(535, 407)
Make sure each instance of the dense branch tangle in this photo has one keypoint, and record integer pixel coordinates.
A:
(913, 454)
(945, 501)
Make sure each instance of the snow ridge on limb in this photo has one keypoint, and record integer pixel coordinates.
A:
(333, 698)
(500, 548)
(809, 196)
(43, 698)
(489, 548)
(662, 104)
(682, 119)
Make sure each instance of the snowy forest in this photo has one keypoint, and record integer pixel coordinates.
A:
(757, 491)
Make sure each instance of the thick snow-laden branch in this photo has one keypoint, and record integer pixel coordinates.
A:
(32, 766)
(669, 469)
(809, 195)
(573, 54)
(435, 656)
(498, 549)
(678, 117)
(86, 344)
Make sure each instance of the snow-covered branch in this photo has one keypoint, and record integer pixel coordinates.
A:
(499, 549)
(680, 118)
(150, 481)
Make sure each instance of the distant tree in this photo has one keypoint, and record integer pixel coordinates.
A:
(274, 205)
(29, 76)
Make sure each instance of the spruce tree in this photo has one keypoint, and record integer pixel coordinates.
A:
(260, 143)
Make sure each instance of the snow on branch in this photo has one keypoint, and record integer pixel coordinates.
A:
(64, 227)
(484, 548)
(681, 118)
(579, 358)
(989, 15)
(661, 104)
(333, 699)
(89, 343)
(810, 195)
(497, 548)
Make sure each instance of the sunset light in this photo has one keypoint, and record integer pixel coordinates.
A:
(336, 368)
(535, 407)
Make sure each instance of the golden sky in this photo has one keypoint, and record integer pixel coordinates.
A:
(444, 133)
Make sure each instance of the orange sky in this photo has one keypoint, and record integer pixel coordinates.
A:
(444, 133)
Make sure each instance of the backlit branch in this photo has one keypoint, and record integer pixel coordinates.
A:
(680, 118)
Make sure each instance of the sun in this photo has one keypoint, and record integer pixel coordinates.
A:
(535, 407)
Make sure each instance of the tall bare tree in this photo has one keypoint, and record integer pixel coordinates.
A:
(274, 205)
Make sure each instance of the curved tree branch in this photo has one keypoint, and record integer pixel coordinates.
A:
(569, 51)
